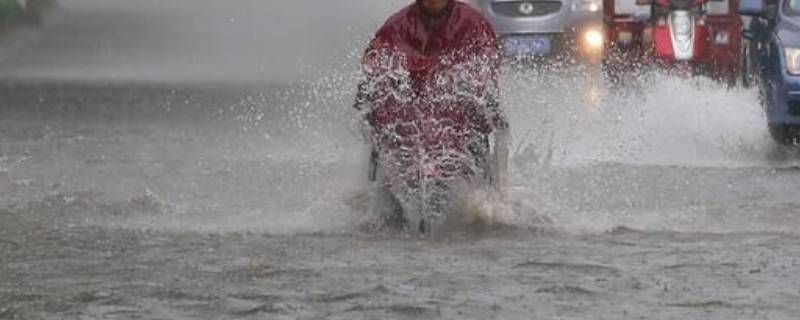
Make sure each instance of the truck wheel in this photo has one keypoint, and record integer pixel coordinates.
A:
(788, 135)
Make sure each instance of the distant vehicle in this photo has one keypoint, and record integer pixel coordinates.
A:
(698, 36)
(772, 56)
(547, 28)
(10, 9)
(26, 12)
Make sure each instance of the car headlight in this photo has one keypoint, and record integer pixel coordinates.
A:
(587, 5)
(594, 39)
(793, 61)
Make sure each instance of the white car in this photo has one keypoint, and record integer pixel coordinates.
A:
(547, 28)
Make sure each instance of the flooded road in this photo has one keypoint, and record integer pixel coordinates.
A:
(100, 273)
(160, 188)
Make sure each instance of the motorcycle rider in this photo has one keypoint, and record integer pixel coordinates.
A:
(437, 61)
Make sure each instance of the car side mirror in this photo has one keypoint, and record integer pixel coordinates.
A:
(753, 8)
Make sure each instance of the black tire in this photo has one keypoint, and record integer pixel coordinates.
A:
(746, 68)
(787, 135)
(613, 67)
(611, 73)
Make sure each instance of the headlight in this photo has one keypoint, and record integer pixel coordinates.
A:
(593, 39)
(587, 5)
(681, 23)
(793, 61)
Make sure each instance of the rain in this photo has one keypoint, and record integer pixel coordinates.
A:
(179, 159)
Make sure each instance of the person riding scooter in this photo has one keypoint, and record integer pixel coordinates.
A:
(430, 83)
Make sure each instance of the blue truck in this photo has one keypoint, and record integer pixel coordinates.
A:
(772, 59)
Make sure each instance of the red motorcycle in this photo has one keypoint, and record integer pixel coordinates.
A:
(679, 30)
(687, 36)
(424, 168)
(429, 97)
(426, 145)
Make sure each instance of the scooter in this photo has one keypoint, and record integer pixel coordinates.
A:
(430, 143)
(424, 165)
(680, 33)
(680, 36)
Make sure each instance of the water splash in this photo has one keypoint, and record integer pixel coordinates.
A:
(586, 158)
(579, 119)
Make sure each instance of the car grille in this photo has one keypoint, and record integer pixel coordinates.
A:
(514, 9)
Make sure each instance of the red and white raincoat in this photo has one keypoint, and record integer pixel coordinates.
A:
(432, 80)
